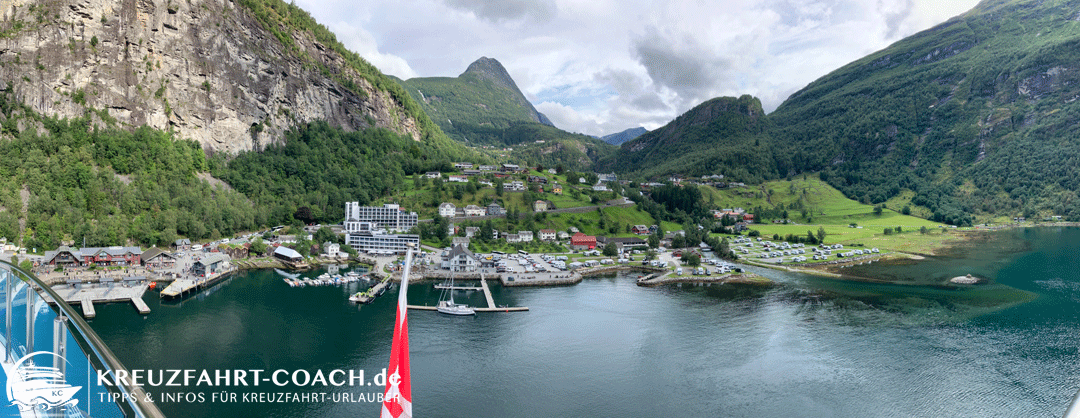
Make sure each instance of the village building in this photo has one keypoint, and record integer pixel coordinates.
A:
(447, 210)
(462, 260)
(556, 188)
(580, 241)
(547, 235)
(287, 254)
(182, 244)
(514, 186)
(495, 210)
(540, 206)
(433, 174)
(463, 166)
(157, 258)
(331, 249)
(100, 256)
(457, 178)
(628, 243)
(471, 231)
(640, 229)
(525, 236)
(212, 263)
(473, 210)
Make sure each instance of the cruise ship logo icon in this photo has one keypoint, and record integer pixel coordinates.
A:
(35, 387)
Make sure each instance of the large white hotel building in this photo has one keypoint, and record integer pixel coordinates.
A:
(365, 228)
(388, 217)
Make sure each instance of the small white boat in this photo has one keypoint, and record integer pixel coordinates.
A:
(450, 308)
(447, 305)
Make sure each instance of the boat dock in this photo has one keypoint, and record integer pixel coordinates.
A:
(487, 295)
(85, 295)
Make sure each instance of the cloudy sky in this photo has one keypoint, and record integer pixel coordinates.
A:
(602, 66)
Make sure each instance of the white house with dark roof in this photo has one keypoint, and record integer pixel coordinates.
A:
(461, 259)
(473, 210)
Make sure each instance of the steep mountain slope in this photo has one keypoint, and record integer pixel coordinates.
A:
(724, 135)
(976, 115)
(231, 75)
(624, 136)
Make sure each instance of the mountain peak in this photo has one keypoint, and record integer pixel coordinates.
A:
(492, 69)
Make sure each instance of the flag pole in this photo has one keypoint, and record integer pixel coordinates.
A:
(397, 400)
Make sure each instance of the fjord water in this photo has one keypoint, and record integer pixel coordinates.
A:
(808, 347)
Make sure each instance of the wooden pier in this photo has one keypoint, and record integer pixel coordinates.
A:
(507, 309)
(487, 295)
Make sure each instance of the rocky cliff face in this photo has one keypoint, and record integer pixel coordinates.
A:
(203, 68)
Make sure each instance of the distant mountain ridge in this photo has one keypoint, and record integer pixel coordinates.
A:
(710, 137)
(484, 107)
(627, 135)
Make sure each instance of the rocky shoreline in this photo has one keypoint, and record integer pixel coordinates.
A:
(730, 278)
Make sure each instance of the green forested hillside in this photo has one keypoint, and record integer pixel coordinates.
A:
(66, 180)
(974, 116)
(321, 167)
(724, 135)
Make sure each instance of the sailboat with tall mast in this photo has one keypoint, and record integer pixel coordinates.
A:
(446, 301)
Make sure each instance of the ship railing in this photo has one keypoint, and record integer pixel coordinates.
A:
(38, 321)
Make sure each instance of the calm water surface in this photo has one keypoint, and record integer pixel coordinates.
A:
(808, 347)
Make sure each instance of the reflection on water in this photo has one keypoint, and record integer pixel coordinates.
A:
(809, 346)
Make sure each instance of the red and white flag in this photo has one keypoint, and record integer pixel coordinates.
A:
(397, 401)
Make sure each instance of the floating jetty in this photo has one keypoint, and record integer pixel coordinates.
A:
(373, 292)
(108, 290)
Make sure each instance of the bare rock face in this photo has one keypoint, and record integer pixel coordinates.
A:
(205, 69)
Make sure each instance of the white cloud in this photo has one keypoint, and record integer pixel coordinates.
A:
(602, 66)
